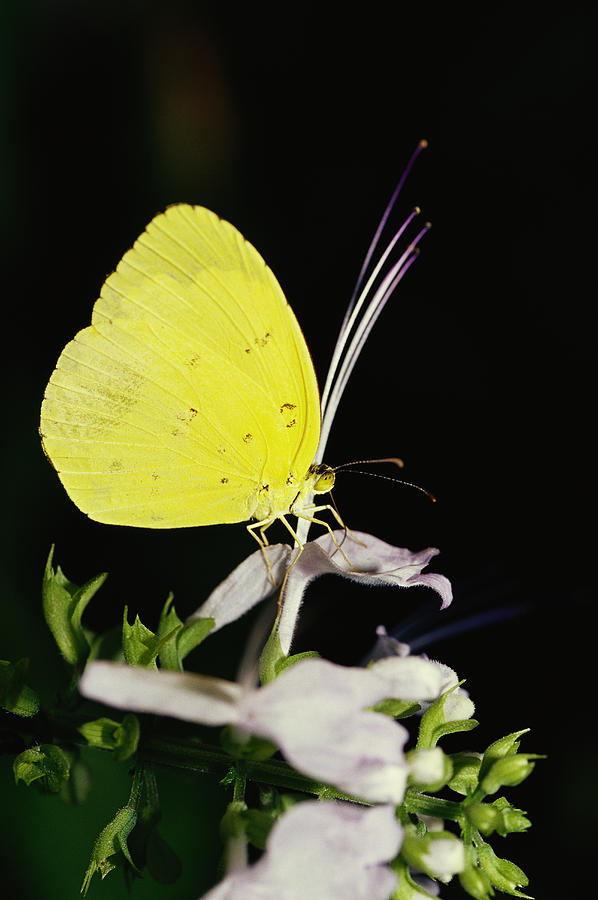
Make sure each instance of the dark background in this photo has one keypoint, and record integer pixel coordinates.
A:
(295, 124)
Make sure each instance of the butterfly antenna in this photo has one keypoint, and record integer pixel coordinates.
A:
(411, 484)
(360, 462)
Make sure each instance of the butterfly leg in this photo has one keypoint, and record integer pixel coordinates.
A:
(315, 521)
(262, 540)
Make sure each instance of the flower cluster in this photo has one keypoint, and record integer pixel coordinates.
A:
(377, 828)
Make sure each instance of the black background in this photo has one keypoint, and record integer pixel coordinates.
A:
(295, 125)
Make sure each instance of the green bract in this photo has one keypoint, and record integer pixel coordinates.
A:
(45, 764)
(183, 638)
(107, 734)
(63, 605)
(111, 842)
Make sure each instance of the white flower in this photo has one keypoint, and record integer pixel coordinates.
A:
(444, 858)
(318, 713)
(410, 677)
(427, 766)
(373, 560)
(320, 850)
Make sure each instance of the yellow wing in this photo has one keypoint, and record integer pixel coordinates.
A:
(192, 388)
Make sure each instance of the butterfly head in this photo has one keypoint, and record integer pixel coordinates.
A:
(322, 478)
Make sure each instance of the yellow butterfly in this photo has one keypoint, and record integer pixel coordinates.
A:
(191, 399)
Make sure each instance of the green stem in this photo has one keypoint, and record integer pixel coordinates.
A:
(423, 804)
(213, 761)
(203, 760)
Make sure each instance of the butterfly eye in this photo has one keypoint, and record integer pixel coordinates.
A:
(325, 481)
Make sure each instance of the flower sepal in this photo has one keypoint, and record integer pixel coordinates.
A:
(439, 854)
(499, 816)
(45, 765)
(63, 604)
(141, 647)
(110, 849)
(502, 873)
(466, 770)
(183, 637)
(107, 734)
(450, 713)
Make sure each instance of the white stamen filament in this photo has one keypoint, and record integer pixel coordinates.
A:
(350, 316)
(375, 307)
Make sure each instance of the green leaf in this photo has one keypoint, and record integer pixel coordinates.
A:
(63, 604)
(15, 696)
(46, 765)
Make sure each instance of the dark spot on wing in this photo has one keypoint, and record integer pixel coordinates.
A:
(248, 438)
(188, 415)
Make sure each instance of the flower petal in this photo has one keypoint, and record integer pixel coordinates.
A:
(319, 850)
(410, 677)
(374, 562)
(182, 695)
(246, 586)
(316, 712)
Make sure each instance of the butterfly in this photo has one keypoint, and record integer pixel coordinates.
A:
(191, 399)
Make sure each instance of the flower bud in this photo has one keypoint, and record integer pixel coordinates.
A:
(476, 883)
(483, 816)
(510, 770)
(429, 768)
(503, 874)
(505, 746)
(439, 854)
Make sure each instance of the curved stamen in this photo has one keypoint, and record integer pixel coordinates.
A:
(421, 146)
(351, 316)
(375, 307)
